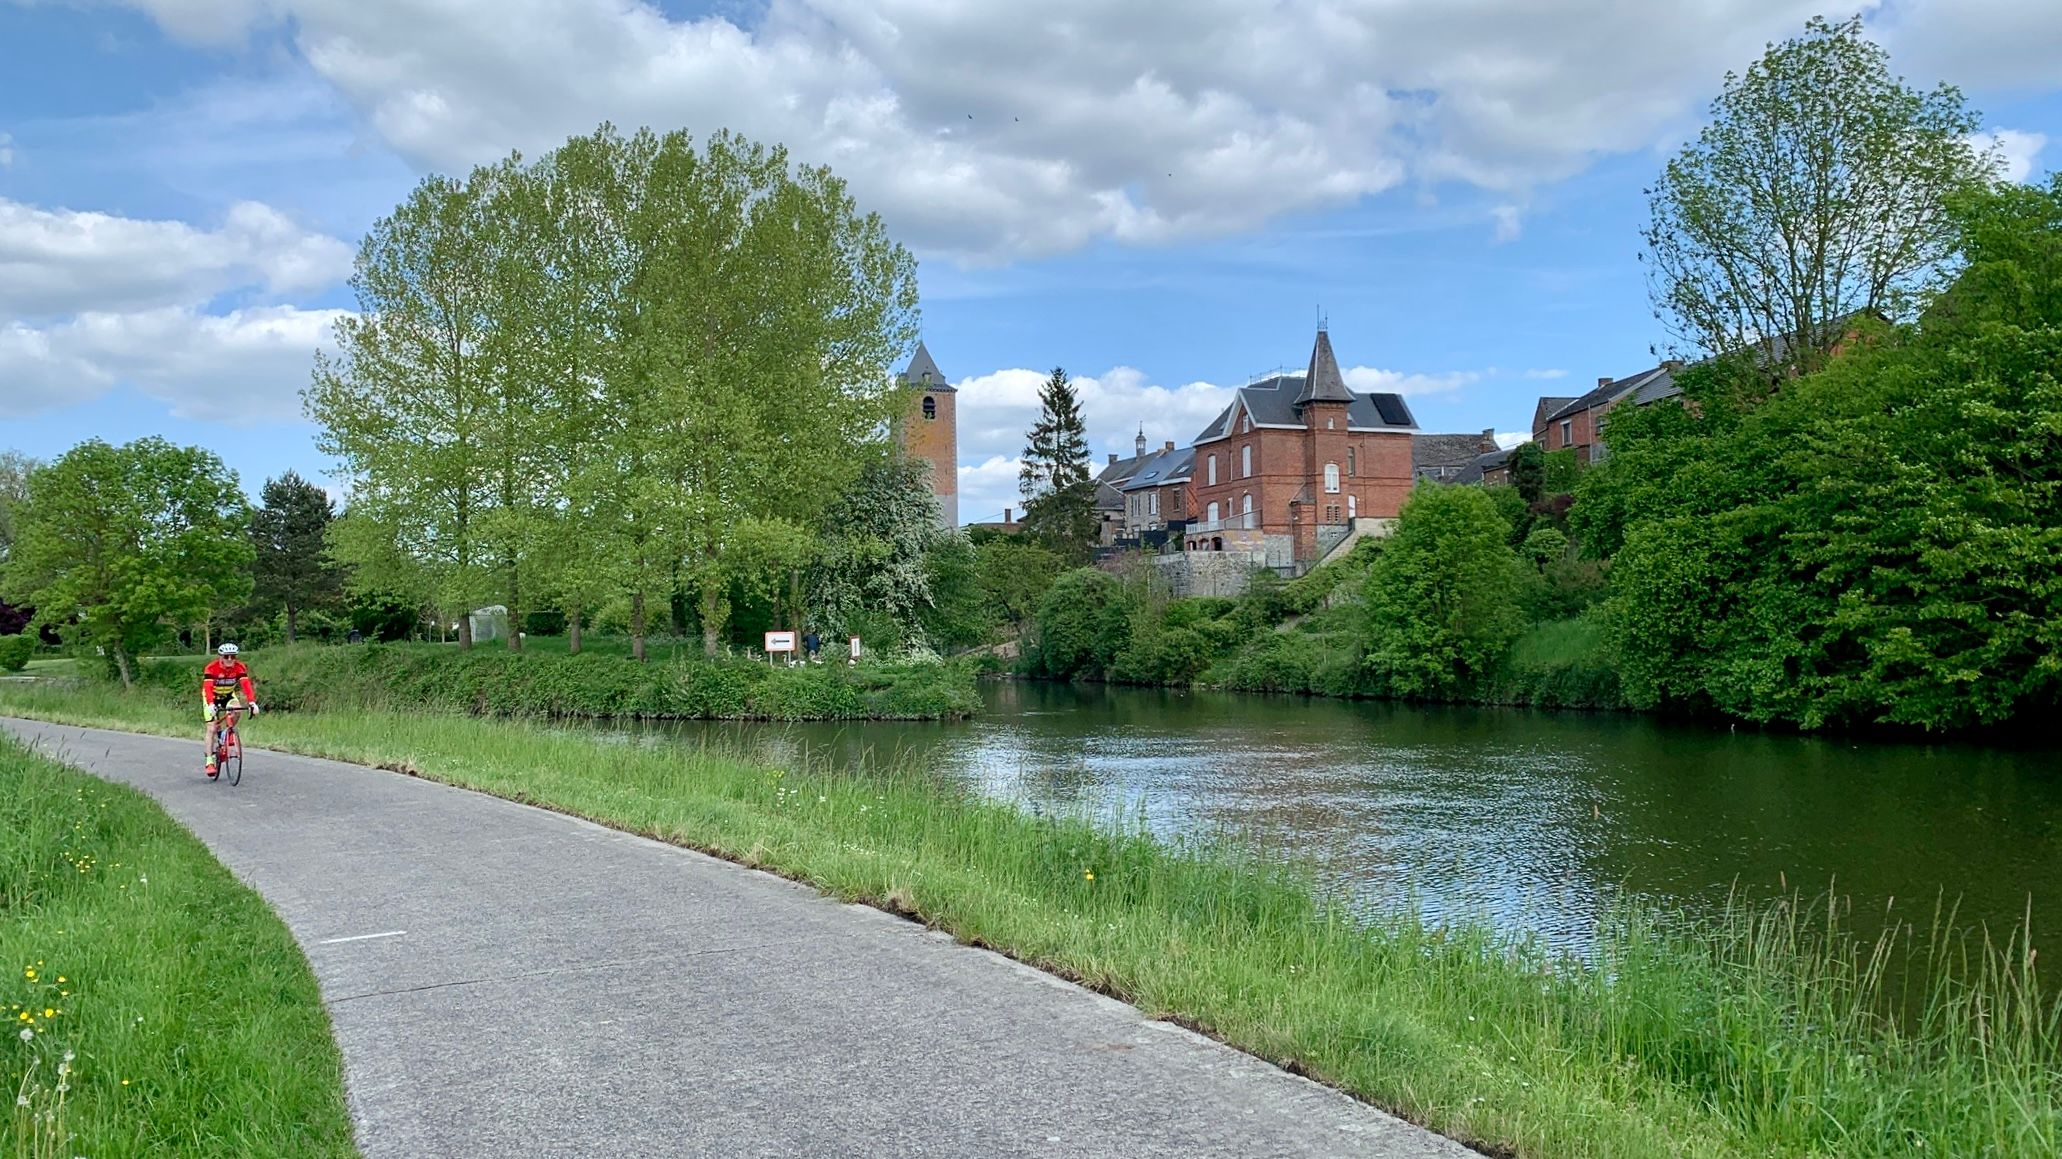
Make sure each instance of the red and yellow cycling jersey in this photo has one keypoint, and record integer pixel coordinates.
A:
(222, 679)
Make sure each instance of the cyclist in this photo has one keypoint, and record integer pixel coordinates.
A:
(220, 682)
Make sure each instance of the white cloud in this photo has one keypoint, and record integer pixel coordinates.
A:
(243, 367)
(2020, 150)
(1547, 373)
(59, 262)
(989, 488)
(1987, 43)
(1368, 380)
(1001, 130)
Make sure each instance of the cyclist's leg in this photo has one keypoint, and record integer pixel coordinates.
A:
(208, 739)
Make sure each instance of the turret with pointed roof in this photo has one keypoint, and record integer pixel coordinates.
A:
(923, 371)
(1323, 382)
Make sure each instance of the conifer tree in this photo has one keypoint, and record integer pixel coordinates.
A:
(1059, 495)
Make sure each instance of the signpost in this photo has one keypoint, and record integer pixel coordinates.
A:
(855, 648)
(779, 642)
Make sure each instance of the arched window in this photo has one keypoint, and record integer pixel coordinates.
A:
(1352, 507)
(930, 407)
(1246, 508)
(1213, 483)
(1246, 461)
(1331, 478)
(1213, 509)
(1352, 462)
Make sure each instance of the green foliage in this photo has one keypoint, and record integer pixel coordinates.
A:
(16, 651)
(15, 469)
(183, 1019)
(1815, 190)
(873, 546)
(498, 682)
(1014, 574)
(120, 547)
(1566, 663)
(959, 615)
(1559, 471)
(1514, 507)
(1444, 596)
(1059, 493)
(1528, 472)
(1544, 546)
(1084, 621)
(1879, 542)
(632, 368)
(291, 572)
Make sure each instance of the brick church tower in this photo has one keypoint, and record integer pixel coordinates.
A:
(929, 432)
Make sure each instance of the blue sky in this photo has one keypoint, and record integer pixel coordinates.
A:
(1159, 197)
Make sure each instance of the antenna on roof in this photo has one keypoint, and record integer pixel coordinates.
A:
(1320, 317)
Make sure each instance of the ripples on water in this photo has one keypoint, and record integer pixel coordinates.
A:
(1532, 820)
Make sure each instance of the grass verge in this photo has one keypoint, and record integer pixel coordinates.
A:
(153, 1005)
(1768, 1033)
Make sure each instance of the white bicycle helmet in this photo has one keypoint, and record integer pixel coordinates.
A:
(226, 650)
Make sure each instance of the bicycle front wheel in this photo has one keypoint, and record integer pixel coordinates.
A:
(232, 768)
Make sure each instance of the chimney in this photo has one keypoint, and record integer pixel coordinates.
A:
(1488, 440)
(1007, 512)
(1113, 458)
(1604, 380)
(1170, 444)
(1672, 365)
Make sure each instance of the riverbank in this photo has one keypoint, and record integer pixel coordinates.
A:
(1759, 1034)
(153, 1005)
(490, 680)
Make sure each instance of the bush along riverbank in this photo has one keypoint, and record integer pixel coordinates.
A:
(492, 681)
(153, 1005)
(1447, 609)
(1770, 1032)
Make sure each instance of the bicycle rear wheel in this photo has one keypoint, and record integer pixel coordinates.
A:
(232, 766)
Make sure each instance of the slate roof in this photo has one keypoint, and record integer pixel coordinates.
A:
(1323, 382)
(1659, 378)
(1272, 403)
(1161, 468)
(922, 364)
(1445, 450)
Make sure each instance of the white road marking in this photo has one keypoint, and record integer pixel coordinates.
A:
(361, 937)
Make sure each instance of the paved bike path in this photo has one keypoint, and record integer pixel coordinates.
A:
(506, 981)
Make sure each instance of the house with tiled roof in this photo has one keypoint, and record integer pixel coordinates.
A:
(1296, 461)
(1577, 423)
(1156, 494)
(1450, 458)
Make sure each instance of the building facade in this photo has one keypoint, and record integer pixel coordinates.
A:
(929, 430)
(1296, 461)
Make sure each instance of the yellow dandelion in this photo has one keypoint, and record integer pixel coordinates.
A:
(125, 1082)
(1089, 874)
(49, 1013)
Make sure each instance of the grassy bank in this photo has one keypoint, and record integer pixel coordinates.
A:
(1764, 1034)
(153, 1005)
(492, 681)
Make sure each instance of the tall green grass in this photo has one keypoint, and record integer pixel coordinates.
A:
(1770, 1031)
(152, 1004)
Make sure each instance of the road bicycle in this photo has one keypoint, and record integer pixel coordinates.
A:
(228, 747)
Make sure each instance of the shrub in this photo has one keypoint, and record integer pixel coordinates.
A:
(1083, 622)
(15, 652)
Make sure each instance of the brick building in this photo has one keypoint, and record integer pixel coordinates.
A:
(1156, 494)
(1294, 461)
(930, 430)
(1578, 423)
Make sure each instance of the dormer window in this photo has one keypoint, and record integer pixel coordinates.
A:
(930, 405)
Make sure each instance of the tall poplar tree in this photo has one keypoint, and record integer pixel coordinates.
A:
(1059, 494)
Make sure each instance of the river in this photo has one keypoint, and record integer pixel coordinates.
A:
(1532, 820)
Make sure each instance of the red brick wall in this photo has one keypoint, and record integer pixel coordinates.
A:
(1285, 461)
(936, 441)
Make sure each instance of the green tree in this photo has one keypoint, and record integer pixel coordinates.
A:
(15, 469)
(1881, 542)
(408, 402)
(119, 547)
(1084, 621)
(875, 541)
(1528, 472)
(959, 615)
(1818, 189)
(291, 571)
(1444, 596)
(1014, 575)
(1059, 493)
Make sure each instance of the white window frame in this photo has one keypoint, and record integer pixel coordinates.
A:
(1567, 432)
(1213, 512)
(1246, 461)
(1153, 503)
(1352, 508)
(1213, 472)
(1352, 462)
(1246, 509)
(1331, 478)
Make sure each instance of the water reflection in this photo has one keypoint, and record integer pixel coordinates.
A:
(1533, 820)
